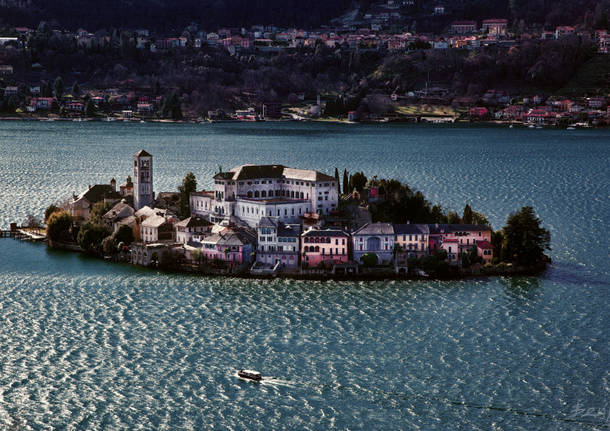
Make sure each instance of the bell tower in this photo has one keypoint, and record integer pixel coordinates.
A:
(143, 179)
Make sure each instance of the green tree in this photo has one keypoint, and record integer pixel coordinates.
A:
(91, 235)
(171, 107)
(345, 182)
(123, 234)
(98, 211)
(525, 240)
(89, 108)
(189, 185)
(59, 226)
(338, 181)
(437, 215)
(75, 89)
(479, 219)
(453, 218)
(369, 259)
(50, 210)
(358, 181)
(45, 89)
(467, 216)
(470, 257)
(497, 241)
(58, 87)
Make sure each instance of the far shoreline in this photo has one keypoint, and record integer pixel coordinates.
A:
(496, 124)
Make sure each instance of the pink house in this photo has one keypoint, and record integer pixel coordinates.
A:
(485, 250)
(324, 246)
(478, 112)
(228, 246)
(452, 247)
(465, 235)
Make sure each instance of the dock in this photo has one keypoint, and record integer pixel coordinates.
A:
(23, 233)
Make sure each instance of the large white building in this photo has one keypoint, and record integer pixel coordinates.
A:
(248, 193)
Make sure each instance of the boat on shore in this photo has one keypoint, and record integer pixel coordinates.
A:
(249, 375)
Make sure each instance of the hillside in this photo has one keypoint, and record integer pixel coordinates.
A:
(168, 15)
(171, 16)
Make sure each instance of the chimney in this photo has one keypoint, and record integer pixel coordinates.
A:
(113, 184)
(89, 186)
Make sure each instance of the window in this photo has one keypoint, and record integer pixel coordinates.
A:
(263, 194)
(336, 241)
(249, 194)
(256, 194)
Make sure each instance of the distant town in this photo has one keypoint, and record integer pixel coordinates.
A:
(269, 220)
(237, 74)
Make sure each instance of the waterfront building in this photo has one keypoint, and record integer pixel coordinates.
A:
(193, 225)
(452, 249)
(118, 213)
(278, 243)
(463, 234)
(374, 238)
(485, 250)
(143, 175)
(248, 193)
(232, 247)
(413, 239)
(156, 229)
(324, 246)
(81, 205)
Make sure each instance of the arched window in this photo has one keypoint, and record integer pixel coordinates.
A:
(317, 248)
(292, 194)
(256, 194)
(302, 195)
(249, 194)
(263, 194)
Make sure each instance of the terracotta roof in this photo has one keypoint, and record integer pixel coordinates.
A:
(486, 245)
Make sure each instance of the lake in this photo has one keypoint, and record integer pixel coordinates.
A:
(89, 345)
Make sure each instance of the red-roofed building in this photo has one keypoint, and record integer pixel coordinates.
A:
(478, 112)
(563, 30)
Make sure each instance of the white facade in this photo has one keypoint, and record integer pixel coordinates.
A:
(250, 192)
(143, 179)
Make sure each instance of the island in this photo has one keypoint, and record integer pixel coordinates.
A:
(274, 220)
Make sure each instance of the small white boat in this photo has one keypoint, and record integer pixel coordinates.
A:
(531, 126)
(571, 128)
(249, 375)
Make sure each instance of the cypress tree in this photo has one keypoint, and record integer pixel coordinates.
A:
(338, 182)
(345, 182)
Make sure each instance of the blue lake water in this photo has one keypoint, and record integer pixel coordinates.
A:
(89, 345)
